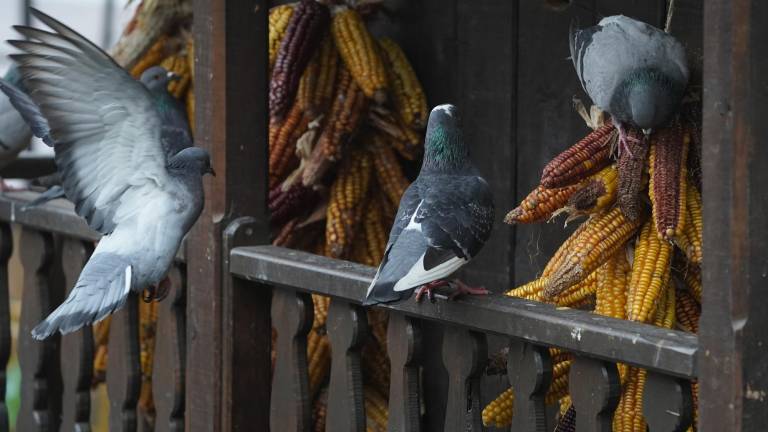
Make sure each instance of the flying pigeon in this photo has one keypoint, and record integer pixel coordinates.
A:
(175, 134)
(632, 70)
(107, 141)
(444, 219)
(14, 133)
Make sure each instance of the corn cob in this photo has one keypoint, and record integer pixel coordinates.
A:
(321, 303)
(612, 282)
(565, 404)
(190, 52)
(631, 181)
(147, 328)
(286, 235)
(279, 16)
(359, 249)
(282, 140)
(692, 278)
(409, 96)
(320, 410)
(359, 52)
(177, 64)
(580, 160)
(315, 167)
(375, 234)
(376, 366)
(152, 57)
(531, 290)
(318, 359)
(668, 180)
(605, 234)
(101, 339)
(190, 102)
(567, 420)
(389, 174)
(597, 194)
(305, 31)
(376, 410)
(558, 388)
(288, 203)
(628, 416)
(316, 86)
(307, 83)
(347, 194)
(687, 311)
(650, 274)
(405, 140)
(690, 239)
(498, 413)
(344, 117)
(540, 204)
(578, 293)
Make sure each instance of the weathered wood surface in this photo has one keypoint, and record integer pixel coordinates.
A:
(595, 391)
(6, 247)
(667, 403)
(735, 384)
(123, 367)
(464, 354)
(404, 342)
(530, 372)
(231, 117)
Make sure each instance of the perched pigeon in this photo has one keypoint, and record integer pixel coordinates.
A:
(632, 70)
(14, 133)
(444, 218)
(106, 133)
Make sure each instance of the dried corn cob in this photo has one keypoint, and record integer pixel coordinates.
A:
(177, 64)
(321, 303)
(375, 232)
(344, 209)
(344, 117)
(279, 16)
(405, 140)
(687, 311)
(668, 180)
(307, 83)
(577, 294)
(359, 249)
(151, 58)
(289, 203)
(191, 108)
(628, 416)
(612, 282)
(650, 274)
(580, 160)
(282, 142)
(316, 86)
(597, 194)
(320, 411)
(376, 410)
(631, 180)
(692, 278)
(567, 420)
(315, 168)
(531, 290)
(409, 96)
(540, 204)
(605, 234)
(359, 52)
(190, 52)
(690, 239)
(147, 328)
(318, 359)
(306, 27)
(389, 174)
(498, 413)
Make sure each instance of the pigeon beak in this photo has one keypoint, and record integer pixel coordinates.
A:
(173, 76)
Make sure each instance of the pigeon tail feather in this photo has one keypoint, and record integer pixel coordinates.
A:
(102, 289)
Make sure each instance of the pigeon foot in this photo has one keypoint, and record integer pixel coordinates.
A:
(428, 288)
(157, 293)
(464, 289)
(625, 139)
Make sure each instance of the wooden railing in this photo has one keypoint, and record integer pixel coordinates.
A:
(531, 327)
(57, 373)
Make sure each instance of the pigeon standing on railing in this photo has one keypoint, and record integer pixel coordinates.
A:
(109, 152)
(444, 219)
(634, 71)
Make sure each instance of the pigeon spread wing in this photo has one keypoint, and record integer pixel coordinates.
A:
(450, 220)
(606, 54)
(105, 128)
(29, 111)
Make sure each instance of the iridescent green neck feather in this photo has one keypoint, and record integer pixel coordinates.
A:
(444, 149)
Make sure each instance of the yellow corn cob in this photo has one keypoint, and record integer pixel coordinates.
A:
(597, 193)
(320, 410)
(279, 16)
(389, 174)
(605, 234)
(629, 414)
(668, 312)
(650, 274)
(307, 85)
(540, 204)
(690, 239)
(531, 290)
(498, 413)
(359, 52)
(152, 57)
(375, 234)
(345, 208)
(557, 389)
(687, 311)
(321, 310)
(692, 278)
(190, 50)
(612, 282)
(376, 410)
(147, 328)
(359, 250)
(667, 169)
(178, 64)
(565, 403)
(316, 85)
(409, 95)
(577, 295)
(191, 108)
(318, 359)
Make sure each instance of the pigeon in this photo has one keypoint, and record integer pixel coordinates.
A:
(175, 134)
(106, 134)
(444, 219)
(632, 70)
(14, 133)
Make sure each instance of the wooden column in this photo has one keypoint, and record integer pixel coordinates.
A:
(231, 95)
(734, 383)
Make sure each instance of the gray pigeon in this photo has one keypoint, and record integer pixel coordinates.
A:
(14, 133)
(106, 133)
(634, 71)
(445, 217)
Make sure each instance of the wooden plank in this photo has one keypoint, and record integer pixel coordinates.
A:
(231, 117)
(595, 391)
(529, 368)
(6, 248)
(734, 163)
(123, 367)
(404, 349)
(667, 403)
(464, 354)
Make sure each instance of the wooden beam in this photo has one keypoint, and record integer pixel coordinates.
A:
(735, 157)
(230, 91)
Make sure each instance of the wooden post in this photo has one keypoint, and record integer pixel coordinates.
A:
(231, 95)
(734, 382)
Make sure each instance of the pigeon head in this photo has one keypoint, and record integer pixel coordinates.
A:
(444, 147)
(192, 160)
(651, 98)
(157, 78)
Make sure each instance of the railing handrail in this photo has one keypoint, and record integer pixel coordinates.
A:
(667, 351)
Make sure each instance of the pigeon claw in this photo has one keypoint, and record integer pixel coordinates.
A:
(464, 289)
(428, 290)
(157, 292)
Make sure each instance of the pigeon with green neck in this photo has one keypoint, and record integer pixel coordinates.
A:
(444, 219)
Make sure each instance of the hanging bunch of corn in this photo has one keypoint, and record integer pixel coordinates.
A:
(347, 117)
(637, 255)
